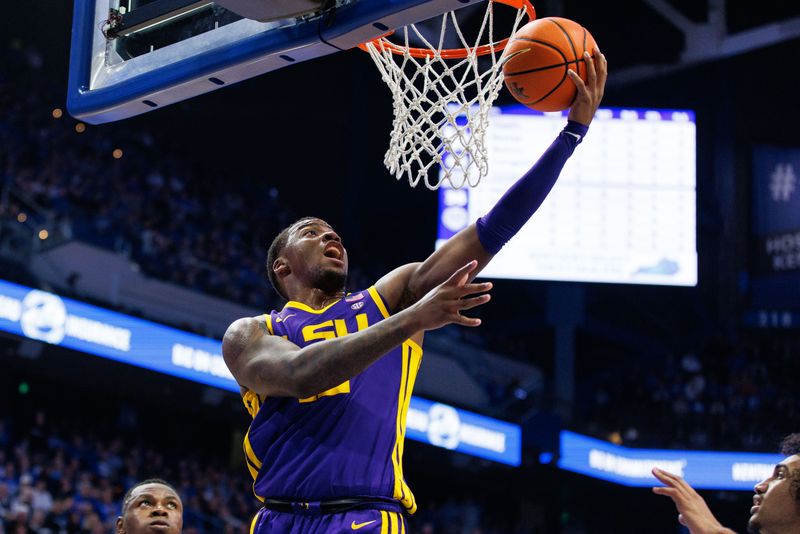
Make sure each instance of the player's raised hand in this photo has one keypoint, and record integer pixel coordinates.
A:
(693, 512)
(590, 93)
(444, 303)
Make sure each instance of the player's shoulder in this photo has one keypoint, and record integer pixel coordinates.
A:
(241, 333)
(247, 324)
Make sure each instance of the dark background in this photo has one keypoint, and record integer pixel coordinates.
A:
(316, 132)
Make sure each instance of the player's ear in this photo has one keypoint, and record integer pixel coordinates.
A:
(119, 526)
(281, 267)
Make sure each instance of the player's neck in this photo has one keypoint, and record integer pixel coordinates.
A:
(316, 298)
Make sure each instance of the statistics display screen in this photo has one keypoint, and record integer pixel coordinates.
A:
(622, 211)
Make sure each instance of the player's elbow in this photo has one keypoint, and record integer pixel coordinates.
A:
(300, 379)
(304, 391)
(306, 373)
(286, 375)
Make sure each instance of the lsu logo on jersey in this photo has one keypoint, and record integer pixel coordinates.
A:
(331, 330)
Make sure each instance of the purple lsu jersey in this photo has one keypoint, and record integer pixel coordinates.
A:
(344, 442)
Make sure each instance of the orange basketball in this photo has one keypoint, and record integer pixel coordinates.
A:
(538, 57)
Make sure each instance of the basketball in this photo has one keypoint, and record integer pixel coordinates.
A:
(537, 58)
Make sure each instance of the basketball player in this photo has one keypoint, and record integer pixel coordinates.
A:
(776, 504)
(328, 379)
(151, 506)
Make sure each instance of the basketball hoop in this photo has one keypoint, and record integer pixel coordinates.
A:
(442, 98)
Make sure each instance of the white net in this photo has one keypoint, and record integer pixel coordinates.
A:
(441, 104)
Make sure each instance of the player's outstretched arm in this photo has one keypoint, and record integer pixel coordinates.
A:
(274, 367)
(693, 512)
(485, 238)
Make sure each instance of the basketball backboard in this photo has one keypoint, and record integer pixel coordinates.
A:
(133, 56)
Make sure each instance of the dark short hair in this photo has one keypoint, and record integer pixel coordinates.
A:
(275, 250)
(126, 499)
(790, 445)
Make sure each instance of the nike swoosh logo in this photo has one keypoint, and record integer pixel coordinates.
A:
(278, 320)
(356, 526)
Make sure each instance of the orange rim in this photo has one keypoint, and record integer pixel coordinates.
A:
(382, 43)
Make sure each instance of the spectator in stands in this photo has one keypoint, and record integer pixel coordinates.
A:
(776, 504)
(151, 506)
(717, 396)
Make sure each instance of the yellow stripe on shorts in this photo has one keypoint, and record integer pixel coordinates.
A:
(254, 521)
(384, 526)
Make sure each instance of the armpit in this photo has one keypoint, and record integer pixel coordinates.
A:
(262, 323)
(407, 298)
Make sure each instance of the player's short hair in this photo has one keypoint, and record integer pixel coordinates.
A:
(126, 500)
(275, 250)
(791, 446)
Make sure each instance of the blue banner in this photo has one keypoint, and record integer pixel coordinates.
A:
(776, 190)
(462, 431)
(93, 330)
(631, 467)
(76, 325)
(776, 228)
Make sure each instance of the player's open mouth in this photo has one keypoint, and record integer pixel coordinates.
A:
(333, 252)
(160, 524)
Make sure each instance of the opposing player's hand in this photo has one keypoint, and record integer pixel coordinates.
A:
(693, 512)
(444, 303)
(590, 93)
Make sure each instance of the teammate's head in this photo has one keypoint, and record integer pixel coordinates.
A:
(777, 500)
(151, 506)
(307, 253)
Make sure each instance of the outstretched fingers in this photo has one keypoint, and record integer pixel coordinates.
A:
(456, 293)
(669, 479)
(460, 277)
(663, 476)
(471, 289)
(579, 85)
(466, 321)
(468, 304)
(676, 487)
(601, 66)
(591, 71)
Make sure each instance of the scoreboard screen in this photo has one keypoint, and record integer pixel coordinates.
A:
(622, 211)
